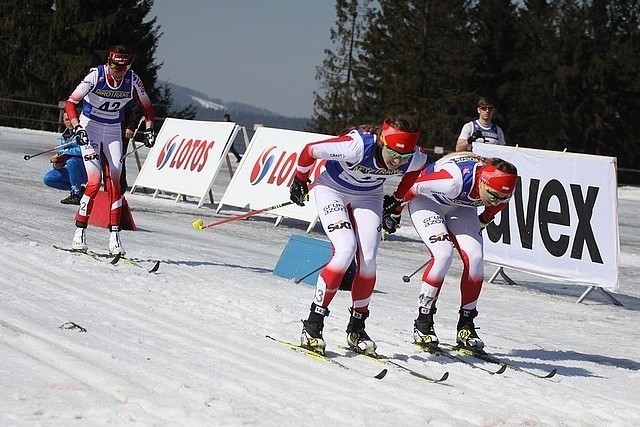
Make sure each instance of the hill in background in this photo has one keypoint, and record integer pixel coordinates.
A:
(212, 109)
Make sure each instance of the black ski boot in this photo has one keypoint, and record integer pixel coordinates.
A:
(311, 336)
(357, 337)
(424, 333)
(467, 336)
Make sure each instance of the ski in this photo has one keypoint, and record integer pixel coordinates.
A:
(89, 254)
(449, 353)
(114, 259)
(389, 361)
(132, 262)
(318, 356)
(487, 357)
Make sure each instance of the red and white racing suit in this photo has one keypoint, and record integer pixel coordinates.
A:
(443, 209)
(103, 105)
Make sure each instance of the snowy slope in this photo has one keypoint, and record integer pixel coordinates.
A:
(187, 346)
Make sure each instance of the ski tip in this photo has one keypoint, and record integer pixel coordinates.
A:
(551, 374)
(155, 267)
(382, 374)
(503, 368)
(443, 377)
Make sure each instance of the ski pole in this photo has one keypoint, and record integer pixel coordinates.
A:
(406, 279)
(59, 147)
(124, 156)
(198, 224)
(300, 279)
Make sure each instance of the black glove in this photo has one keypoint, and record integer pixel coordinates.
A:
(299, 191)
(149, 138)
(475, 135)
(483, 222)
(81, 135)
(390, 205)
(391, 222)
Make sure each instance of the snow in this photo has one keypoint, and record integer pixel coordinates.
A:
(208, 104)
(187, 346)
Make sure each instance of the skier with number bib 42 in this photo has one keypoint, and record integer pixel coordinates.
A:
(442, 205)
(349, 200)
(104, 92)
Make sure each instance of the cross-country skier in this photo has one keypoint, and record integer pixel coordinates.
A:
(104, 92)
(443, 206)
(349, 200)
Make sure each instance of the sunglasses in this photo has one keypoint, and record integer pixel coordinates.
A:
(119, 68)
(486, 108)
(393, 153)
(496, 198)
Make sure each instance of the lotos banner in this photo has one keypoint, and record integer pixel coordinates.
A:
(187, 157)
(562, 222)
(267, 170)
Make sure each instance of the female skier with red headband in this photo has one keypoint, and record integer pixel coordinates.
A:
(442, 204)
(104, 93)
(349, 200)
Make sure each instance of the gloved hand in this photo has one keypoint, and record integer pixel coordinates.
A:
(391, 222)
(81, 135)
(475, 135)
(484, 222)
(390, 205)
(299, 191)
(149, 138)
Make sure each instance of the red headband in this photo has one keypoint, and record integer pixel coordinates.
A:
(399, 140)
(498, 180)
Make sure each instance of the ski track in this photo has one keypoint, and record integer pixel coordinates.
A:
(186, 346)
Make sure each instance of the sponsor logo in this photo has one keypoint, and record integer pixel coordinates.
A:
(114, 94)
(339, 225)
(333, 207)
(375, 171)
(187, 154)
(275, 167)
(440, 237)
(435, 219)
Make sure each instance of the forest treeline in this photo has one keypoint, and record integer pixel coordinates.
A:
(564, 73)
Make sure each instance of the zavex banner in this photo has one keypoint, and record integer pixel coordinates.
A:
(186, 157)
(266, 173)
(562, 222)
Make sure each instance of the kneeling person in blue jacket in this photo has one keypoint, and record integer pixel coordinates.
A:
(68, 172)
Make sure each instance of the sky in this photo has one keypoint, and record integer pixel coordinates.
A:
(262, 53)
(186, 345)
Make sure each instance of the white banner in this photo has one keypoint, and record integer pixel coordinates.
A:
(267, 170)
(186, 157)
(562, 222)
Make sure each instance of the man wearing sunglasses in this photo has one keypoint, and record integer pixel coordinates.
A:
(443, 206)
(104, 92)
(482, 130)
(349, 199)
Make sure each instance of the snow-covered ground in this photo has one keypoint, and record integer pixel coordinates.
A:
(187, 346)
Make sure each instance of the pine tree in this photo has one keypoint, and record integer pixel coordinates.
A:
(51, 45)
(417, 57)
(334, 107)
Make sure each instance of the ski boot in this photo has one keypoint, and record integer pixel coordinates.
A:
(115, 246)
(357, 337)
(311, 336)
(73, 199)
(467, 337)
(79, 242)
(424, 333)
